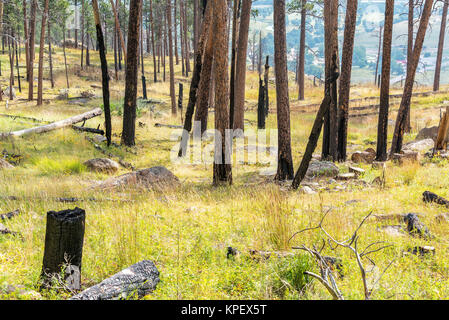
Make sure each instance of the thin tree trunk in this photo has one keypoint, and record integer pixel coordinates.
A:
(17, 66)
(129, 114)
(175, 17)
(152, 41)
(117, 25)
(82, 33)
(382, 129)
(345, 78)
(285, 162)
(240, 75)
(41, 55)
(205, 29)
(302, 52)
(26, 38)
(65, 57)
(50, 58)
(410, 30)
(31, 48)
(436, 80)
(235, 24)
(104, 72)
(186, 40)
(222, 159)
(330, 133)
(378, 55)
(170, 56)
(401, 121)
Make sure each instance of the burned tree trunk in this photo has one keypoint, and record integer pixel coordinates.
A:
(170, 57)
(313, 140)
(265, 81)
(31, 48)
(63, 248)
(302, 52)
(261, 106)
(104, 72)
(129, 114)
(41, 55)
(140, 278)
(345, 78)
(401, 120)
(205, 29)
(235, 17)
(382, 129)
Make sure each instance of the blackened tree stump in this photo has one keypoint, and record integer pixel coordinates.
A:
(64, 248)
(432, 197)
(140, 278)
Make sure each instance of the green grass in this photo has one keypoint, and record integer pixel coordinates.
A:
(185, 230)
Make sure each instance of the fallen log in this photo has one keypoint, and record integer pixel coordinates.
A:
(172, 126)
(86, 129)
(432, 197)
(415, 227)
(9, 215)
(141, 278)
(55, 125)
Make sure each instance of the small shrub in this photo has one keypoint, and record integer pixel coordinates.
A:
(289, 278)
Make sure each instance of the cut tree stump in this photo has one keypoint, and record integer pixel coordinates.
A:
(63, 248)
(141, 278)
(54, 125)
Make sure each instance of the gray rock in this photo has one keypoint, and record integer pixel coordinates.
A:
(366, 156)
(307, 190)
(415, 226)
(427, 133)
(5, 164)
(419, 145)
(98, 138)
(322, 169)
(154, 177)
(102, 165)
(394, 231)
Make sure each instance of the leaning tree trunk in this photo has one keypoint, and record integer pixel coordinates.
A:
(285, 162)
(129, 114)
(401, 120)
(41, 55)
(302, 51)
(201, 111)
(382, 129)
(345, 78)
(104, 72)
(205, 29)
(240, 75)
(313, 140)
(63, 250)
(222, 158)
(436, 80)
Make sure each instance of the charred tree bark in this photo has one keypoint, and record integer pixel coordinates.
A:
(382, 129)
(345, 78)
(330, 134)
(401, 121)
(436, 80)
(129, 114)
(104, 73)
(265, 80)
(201, 111)
(261, 106)
(285, 162)
(63, 248)
(313, 140)
(205, 29)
